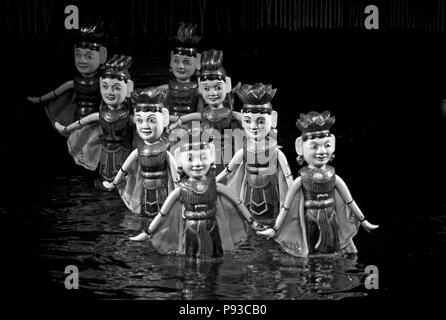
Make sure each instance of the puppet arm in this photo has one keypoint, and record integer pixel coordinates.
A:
(79, 123)
(145, 235)
(195, 116)
(225, 191)
(163, 87)
(173, 169)
(53, 94)
(237, 116)
(289, 198)
(348, 199)
(233, 164)
(123, 171)
(283, 163)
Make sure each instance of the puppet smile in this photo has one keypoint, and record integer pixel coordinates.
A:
(110, 97)
(82, 66)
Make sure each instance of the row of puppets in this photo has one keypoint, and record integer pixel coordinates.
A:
(199, 171)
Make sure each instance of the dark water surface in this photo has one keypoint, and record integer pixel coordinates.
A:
(88, 228)
(74, 223)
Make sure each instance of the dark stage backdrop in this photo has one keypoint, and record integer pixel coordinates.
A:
(384, 86)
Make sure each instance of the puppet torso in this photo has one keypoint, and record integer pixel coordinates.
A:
(153, 162)
(115, 124)
(202, 237)
(181, 98)
(320, 216)
(88, 95)
(262, 192)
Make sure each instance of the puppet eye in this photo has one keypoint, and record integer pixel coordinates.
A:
(153, 121)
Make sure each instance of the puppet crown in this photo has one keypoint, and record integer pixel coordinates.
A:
(148, 100)
(91, 35)
(211, 66)
(257, 97)
(116, 67)
(186, 40)
(314, 124)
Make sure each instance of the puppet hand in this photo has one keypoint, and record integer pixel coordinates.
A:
(143, 236)
(60, 127)
(175, 125)
(257, 226)
(34, 99)
(268, 233)
(237, 87)
(108, 185)
(368, 226)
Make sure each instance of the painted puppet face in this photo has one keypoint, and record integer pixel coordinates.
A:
(213, 92)
(318, 151)
(87, 61)
(149, 125)
(183, 67)
(196, 163)
(113, 91)
(257, 125)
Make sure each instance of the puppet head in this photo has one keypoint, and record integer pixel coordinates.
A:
(115, 81)
(150, 116)
(195, 157)
(89, 50)
(316, 144)
(184, 58)
(257, 112)
(213, 82)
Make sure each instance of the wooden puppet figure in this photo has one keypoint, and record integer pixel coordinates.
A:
(104, 138)
(200, 218)
(150, 170)
(218, 121)
(182, 89)
(319, 215)
(79, 97)
(260, 172)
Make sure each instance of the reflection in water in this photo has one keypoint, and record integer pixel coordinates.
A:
(89, 228)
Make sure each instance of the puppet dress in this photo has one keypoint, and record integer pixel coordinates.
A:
(318, 221)
(106, 143)
(149, 181)
(260, 182)
(201, 223)
(74, 104)
(219, 120)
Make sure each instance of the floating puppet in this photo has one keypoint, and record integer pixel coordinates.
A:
(182, 89)
(319, 215)
(260, 171)
(80, 97)
(150, 169)
(104, 138)
(200, 218)
(218, 120)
